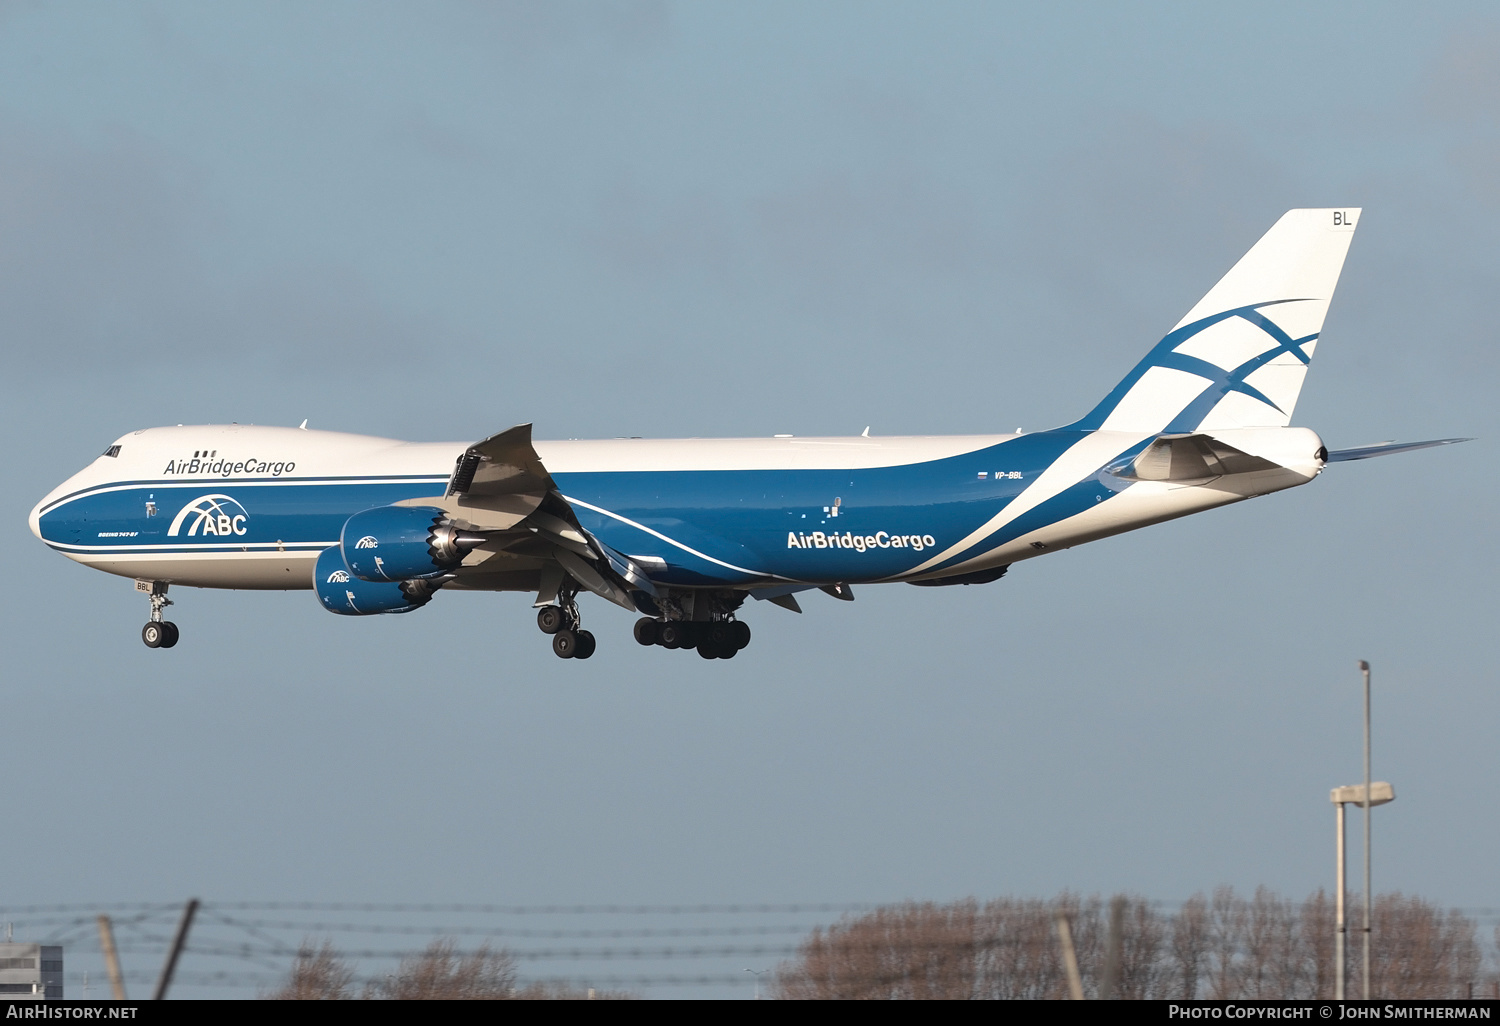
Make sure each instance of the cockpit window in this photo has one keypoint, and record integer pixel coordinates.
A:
(113, 450)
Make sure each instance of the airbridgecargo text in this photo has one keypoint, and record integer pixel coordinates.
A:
(859, 542)
(228, 468)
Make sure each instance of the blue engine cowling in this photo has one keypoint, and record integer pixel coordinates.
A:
(403, 543)
(342, 592)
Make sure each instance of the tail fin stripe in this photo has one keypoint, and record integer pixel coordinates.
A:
(1234, 381)
(1285, 341)
(1221, 381)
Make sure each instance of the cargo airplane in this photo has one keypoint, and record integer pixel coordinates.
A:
(684, 531)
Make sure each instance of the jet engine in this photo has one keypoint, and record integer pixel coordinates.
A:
(342, 592)
(403, 543)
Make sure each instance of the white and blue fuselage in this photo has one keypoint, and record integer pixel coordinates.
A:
(686, 530)
(239, 506)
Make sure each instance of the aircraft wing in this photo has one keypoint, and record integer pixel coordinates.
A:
(499, 487)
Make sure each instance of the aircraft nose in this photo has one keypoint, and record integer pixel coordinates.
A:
(35, 520)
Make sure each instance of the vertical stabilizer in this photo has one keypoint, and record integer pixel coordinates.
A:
(1239, 356)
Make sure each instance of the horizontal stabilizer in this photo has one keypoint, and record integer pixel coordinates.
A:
(1365, 452)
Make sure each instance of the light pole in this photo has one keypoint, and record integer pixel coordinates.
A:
(1364, 668)
(1354, 794)
(758, 973)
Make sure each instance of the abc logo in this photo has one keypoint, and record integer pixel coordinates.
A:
(210, 514)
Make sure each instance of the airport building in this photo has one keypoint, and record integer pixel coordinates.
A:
(31, 971)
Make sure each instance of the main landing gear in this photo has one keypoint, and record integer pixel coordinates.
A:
(569, 639)
(157, 633)
(714, 639)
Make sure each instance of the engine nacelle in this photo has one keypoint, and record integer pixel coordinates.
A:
(341, 592)
(403, 543)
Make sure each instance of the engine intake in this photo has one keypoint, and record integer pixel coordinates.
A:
(403, 543)
(342, 592)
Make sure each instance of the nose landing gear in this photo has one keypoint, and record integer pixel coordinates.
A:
(158, 633)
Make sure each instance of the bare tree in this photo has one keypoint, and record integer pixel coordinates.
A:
(1271, 966)
(1227, 946)
(1420, 951)
(1087, 918)
(1226, 930)
(1494, 981)
(1143, 943)
(912, 951)
(317, 975)
(1015, 954)
(1190, 940)
(1004, 949)
(436, 974)
(1316, 926)
(441, 974)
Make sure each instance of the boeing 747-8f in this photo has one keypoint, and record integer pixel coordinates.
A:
(684, 531)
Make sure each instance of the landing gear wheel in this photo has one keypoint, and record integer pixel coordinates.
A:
(565, 644)
(669, 635)
(741, 633)
(157, 633)
(690, 636)
(586, 645)
(646, 630)
(728, 652)
(720, 635)
(708, 650)
(550, 619)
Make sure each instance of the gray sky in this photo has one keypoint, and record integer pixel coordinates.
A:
(435, 221)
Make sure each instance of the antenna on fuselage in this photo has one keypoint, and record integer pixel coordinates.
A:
(303, 425)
